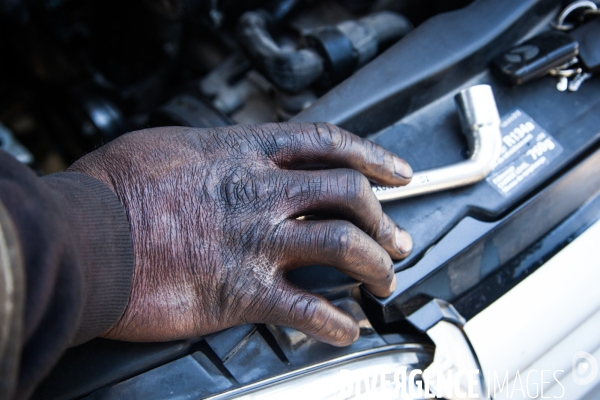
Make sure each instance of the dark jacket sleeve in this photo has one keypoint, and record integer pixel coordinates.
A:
(70, 244)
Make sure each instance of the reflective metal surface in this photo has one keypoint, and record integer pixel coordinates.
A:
(455, 371)
(9, 144)
(481, 125)
(407, 350)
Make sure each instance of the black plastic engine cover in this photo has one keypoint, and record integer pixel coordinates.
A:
(404, 101)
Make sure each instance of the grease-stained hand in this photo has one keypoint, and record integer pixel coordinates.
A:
(213, 215)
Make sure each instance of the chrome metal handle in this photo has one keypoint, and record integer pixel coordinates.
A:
(480, 123)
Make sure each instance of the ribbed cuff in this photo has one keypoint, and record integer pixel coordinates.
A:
(101, 235)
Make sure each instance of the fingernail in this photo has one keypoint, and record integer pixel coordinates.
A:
(401, 168)
(403, 241)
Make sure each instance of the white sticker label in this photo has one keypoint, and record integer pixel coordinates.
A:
(526, 149)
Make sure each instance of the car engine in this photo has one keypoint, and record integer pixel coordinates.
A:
(77, 74)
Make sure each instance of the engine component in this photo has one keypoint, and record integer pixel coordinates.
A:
(289, 105)
(289, 69)
(351, 44)
(232, 83)
(188, 110)
(9, 144)
(100, 116)
(84, 118)
(247, 96)
(333, 52)
(481, 125)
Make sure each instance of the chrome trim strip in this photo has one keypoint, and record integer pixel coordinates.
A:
(322, 365)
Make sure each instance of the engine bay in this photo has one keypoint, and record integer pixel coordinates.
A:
(75, 75)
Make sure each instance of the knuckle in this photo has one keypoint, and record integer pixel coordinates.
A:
(273, 139)
(319, 319)
(306, 314)
(375, 153)
(242, 189)
(309, 310)
(330, 136)
(343, 237)
(387, 228)
(317, 324)
(359, 187)
(283, 141)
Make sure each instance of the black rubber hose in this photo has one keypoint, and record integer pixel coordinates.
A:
(390, 27)
(279, 9)
(291, 70)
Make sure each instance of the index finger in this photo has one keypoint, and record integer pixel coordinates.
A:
(322, 145)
